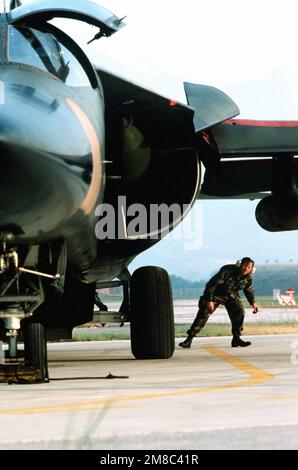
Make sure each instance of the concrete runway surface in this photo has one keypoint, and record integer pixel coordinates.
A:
(185, 311)
(208, 397)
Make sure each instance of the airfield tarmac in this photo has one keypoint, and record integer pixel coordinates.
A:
(185, 311)
(208, 397)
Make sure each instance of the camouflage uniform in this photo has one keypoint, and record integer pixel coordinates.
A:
(223, 289)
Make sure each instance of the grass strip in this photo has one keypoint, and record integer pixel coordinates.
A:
(214, 329)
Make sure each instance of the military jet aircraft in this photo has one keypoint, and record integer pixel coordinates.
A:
(79, 144)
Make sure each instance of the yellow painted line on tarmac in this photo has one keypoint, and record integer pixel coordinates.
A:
(281, 398)
(67, 407)
(256, 376)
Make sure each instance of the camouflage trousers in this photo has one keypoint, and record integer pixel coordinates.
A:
(234, 308)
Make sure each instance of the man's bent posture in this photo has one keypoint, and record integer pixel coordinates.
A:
(223, 289)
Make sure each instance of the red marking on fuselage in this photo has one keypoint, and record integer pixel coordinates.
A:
(254, 123)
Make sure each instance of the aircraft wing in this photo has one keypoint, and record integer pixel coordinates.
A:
(245, 137)
(206, 107)
(237, 154)
(249, 159)
(211, 106)
(126, 92)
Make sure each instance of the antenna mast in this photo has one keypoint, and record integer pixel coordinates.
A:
(14, 4)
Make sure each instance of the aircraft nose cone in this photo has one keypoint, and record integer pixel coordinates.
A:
(26, 190)
(41, 183)
(14, 191)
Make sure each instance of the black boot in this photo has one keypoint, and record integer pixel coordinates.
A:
(237, 341)
(186, 344)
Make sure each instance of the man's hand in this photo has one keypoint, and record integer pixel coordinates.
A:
(210, 306)
(255, 308)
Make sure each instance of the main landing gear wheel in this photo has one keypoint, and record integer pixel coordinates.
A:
(36, 350)
(152, 314)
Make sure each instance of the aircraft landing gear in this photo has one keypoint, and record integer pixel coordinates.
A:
(21, 293)
(33, 360)
(35, 347)
(12, 326)
(151, 314)
(148, 306)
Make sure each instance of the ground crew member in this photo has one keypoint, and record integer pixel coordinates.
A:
(223, 289)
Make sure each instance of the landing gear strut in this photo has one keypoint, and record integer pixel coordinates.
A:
(21, 293)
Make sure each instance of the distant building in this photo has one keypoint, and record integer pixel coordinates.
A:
(276, 292)
(288, 298)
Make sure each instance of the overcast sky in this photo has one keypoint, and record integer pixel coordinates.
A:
(248, 50)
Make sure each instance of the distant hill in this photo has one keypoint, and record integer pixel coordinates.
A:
(179, 282)
(185, 289)
(266, 278)
(275, 276)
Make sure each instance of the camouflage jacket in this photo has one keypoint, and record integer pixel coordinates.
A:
(227, 283)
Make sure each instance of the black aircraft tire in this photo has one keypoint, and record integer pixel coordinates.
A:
(36, 349)
(152, 314)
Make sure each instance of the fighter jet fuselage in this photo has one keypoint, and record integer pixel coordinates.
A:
(52, 142)
(96, 169)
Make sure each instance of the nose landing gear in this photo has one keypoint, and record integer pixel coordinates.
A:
(21, 292)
